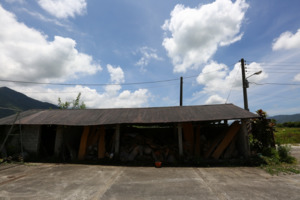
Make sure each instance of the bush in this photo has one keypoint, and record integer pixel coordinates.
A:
(284, 153)
(262, 136)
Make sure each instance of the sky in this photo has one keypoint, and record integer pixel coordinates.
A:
(129, 53)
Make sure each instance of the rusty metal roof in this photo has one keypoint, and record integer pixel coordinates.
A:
(112, 116)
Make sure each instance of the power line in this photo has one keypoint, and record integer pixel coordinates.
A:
(232, 85)
(101, 84)
(275, 83)
(88, 84)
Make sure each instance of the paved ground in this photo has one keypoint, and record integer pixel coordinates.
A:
(59, 181)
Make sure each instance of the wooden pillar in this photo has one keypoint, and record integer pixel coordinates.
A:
(83, 143)
(180, 147)
(243, 140)
(101, 142)
(117, 141)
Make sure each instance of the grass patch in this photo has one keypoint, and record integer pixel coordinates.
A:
(287, 135)
(279, 161)
(281, 168)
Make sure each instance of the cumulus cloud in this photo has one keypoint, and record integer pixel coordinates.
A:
(218, 80)
(147, 54)
(64, 8)
(116, 74)
(297, 77)
(27, 54)
(215, 99)
(196, 33)
(286, 41)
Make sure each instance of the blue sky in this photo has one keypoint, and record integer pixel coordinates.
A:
(117, 43)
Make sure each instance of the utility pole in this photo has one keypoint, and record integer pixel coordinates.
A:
(245, 85)
(181, 85)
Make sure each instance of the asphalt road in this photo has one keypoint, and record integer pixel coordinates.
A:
(70, 181)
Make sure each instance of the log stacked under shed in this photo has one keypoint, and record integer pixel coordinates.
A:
(148, 144)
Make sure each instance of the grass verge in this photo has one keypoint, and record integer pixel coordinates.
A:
(287, 135)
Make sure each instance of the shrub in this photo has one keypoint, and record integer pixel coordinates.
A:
(284, 153)
(262, 133)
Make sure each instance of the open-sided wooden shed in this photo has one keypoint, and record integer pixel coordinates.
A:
(208, 131)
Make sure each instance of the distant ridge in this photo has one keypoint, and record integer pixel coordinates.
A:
(286, 118)
(15, 100)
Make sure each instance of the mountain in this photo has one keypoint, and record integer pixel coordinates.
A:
(15, 100)
(286, 118)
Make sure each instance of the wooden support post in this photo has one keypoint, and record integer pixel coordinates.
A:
(117, 141)
(180, 147)
(83, 143)
(101, 143)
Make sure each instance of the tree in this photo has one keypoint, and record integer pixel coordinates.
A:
(75, 104)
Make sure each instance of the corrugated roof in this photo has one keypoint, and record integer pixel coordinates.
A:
(111, 116)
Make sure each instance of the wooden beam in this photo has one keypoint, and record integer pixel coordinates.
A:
(83, 143)
(101, 142)
(180, 140)
(233, 130)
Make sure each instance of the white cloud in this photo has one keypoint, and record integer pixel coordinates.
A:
(286, 41)
(196, 33)
(218, 80)
(212, 76)
(147, 54)
(215, 99)
(64, 8)
(27, 54)
(297, 77)
(116, 74)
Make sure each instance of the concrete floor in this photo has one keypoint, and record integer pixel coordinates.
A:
(68, 181)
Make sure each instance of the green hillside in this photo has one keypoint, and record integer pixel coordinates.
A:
(16, 100)
(286, 118)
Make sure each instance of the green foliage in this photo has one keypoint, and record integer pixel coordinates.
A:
(262, 133)
(284, 153)
(262, 142)
(279, 160)
(75, 104)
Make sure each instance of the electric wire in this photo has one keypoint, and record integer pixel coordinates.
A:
(232, 85)
(275, 83)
